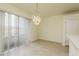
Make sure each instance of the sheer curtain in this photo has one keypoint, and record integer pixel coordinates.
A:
(14, 31)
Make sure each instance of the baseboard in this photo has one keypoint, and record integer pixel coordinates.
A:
(34, 40)
(51, 41)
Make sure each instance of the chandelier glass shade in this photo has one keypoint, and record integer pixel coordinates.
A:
(36, 20)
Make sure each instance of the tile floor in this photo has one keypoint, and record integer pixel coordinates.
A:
(39, 48)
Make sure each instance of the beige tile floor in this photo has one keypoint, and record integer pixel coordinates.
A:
(39, 48)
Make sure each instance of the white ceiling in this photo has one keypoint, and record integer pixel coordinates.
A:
(47, 9)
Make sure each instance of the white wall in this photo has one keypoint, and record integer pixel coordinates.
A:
(72, 23)
(52, 29)
(34, 31)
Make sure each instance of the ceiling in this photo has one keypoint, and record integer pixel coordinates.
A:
(48, 9)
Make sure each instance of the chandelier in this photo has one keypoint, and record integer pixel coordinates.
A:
(36, 17)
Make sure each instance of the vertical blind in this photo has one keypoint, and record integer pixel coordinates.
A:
(14, 31)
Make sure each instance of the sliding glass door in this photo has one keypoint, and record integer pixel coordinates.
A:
(11, 32)
(14, 32)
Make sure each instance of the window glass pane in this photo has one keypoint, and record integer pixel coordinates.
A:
(6, 24)
(2, 32)
(6, 32)
(21, 30)
(13, 30)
